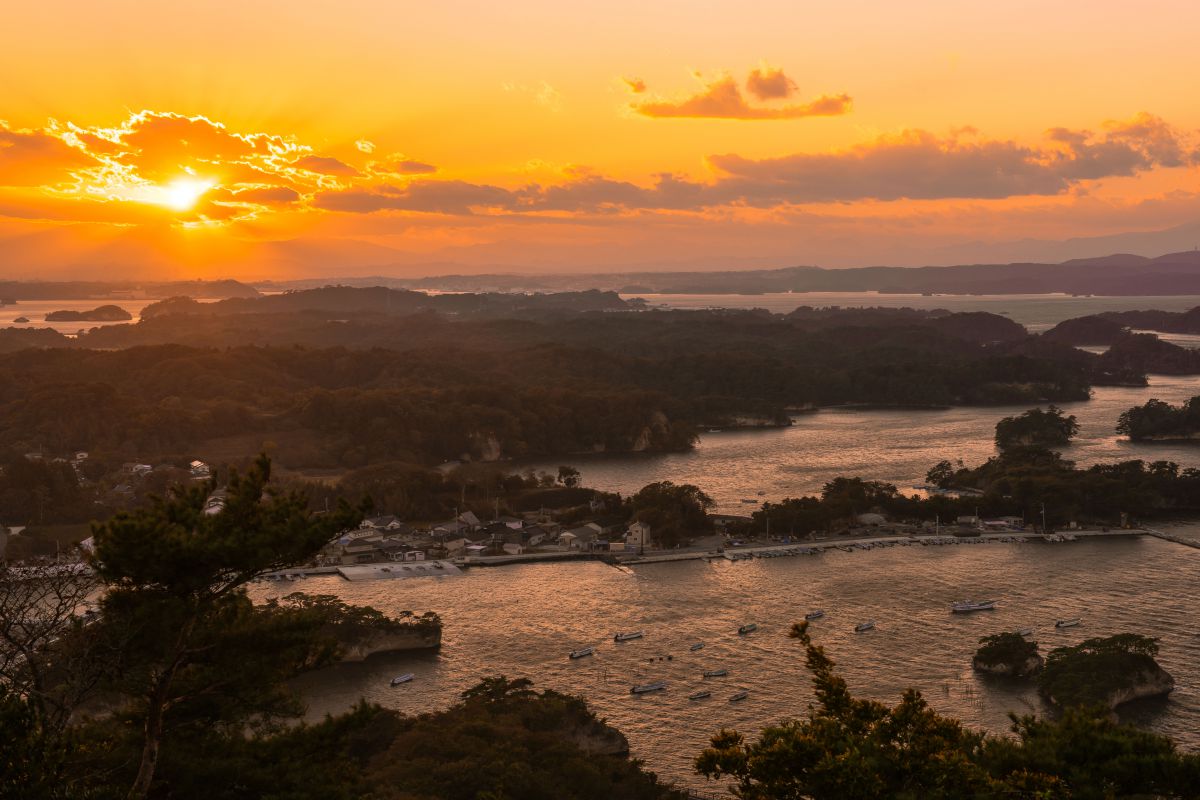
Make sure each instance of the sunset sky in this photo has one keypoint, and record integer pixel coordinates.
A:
(285, 139)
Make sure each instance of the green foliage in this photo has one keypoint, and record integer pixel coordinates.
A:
(852, 748)
(847, 747)
(179, 547)
(1036, 428)
(568, 476)
(32, 758)
(1009, 649)
(341, 619)
(194, 650)
(1015, 483)
(1159, 420)
(673, 511)
(941, 474)
(532, 385)
(1092, 757)
(34, 492)
(1087, 674)
(509, 741)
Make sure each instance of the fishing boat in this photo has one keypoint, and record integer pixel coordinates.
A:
(627, 637)
(864, 626)
(646, 688)
(810, 616)
(1068, 623)
(583, 652)
(716, 673)
(1025, 632)
(967, 606)
(750, 628)
(697, 646)
(742, 695)
(699, 695)
(405, 678)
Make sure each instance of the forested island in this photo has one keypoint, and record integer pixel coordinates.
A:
(1009, 654)
(1104, 672)
(106, 313)
(334, 379)
(1156, 421)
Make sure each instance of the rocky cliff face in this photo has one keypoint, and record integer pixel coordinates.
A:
(362, 641)
(1150, 683)
(599, 739)
(1028, 667)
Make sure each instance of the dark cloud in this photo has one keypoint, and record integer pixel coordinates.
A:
(326, 165)
(636, 85)
(442, 197)
(768, 83)
(398, 165)
(916, 165)
(266, 195)
(722, 99)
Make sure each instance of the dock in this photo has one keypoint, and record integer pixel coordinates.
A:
(1170, 537)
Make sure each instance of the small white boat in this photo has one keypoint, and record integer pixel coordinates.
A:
(967, 606)
(810, 616)
(646, 688)
(697, 646)
(582, 652)
(1025, 632)
(1068, 623)
(750, 628)
(699, 695)
(628, 637)
(716, 673)
(405, 678)
(864, 626)
(739, 696)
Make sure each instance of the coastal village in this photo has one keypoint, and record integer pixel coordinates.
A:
(597, 530)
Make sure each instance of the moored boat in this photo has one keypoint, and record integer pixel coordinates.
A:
(810, 616)
(1068, 623)
(626, 637)
(583, 652)
(405, 678)
(716, 673)
(646, 688)
(699, 695)
(967, 606)
(749, 628)
(1025, 632)
(864, 626)
(742, 695)
(697, 646)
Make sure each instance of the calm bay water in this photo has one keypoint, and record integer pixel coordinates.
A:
(522, 621)
(894, 445)
(36, 310)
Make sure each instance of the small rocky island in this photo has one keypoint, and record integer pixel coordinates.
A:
(1009, 654)
(108, 313)
(1104, 672)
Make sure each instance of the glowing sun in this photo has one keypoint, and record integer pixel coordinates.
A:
(181, 194)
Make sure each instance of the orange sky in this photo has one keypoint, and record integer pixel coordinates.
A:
(277, 139)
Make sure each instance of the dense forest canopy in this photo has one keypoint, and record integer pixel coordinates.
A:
(343, 377)
(1163, 421)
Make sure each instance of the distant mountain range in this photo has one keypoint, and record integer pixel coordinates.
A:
(1118, 274)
